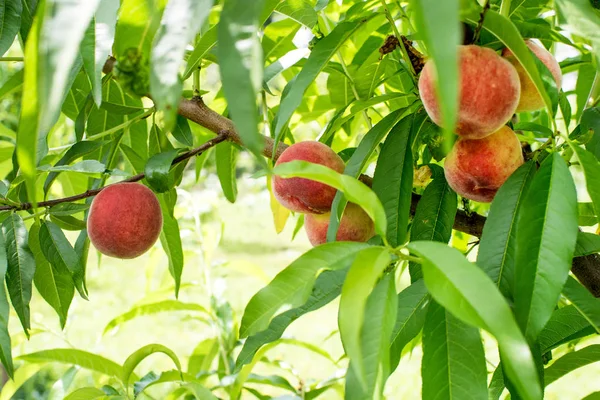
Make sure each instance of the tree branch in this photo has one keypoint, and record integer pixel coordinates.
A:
(221, 137)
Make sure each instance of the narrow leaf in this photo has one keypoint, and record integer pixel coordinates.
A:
(181, 20)
(138, 356)
(570, 362)
(59, 252)
(566, 324)
(453, 359)
(546, 236)
(10, 21)
(459, 286)
(294, 284)
(82, 358)
(584, 301)
(21, 267)
(158, 171)
(226, 154)
(5, 342)
(171, 242)
(496, 255)
(367, 267)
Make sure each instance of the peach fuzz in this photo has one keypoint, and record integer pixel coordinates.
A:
(305, 195)
(125, 220)
(476, 169)
(489, 92)
(355, 226)
(530, 97)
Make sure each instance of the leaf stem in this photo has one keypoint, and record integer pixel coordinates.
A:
(403, 50)
(345, 68)
(197, 81)
(505, 8)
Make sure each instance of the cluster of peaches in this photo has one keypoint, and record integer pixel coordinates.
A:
(492, 88)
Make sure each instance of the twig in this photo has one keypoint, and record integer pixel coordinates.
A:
(11, 59)
(479, 27)
(224, 135)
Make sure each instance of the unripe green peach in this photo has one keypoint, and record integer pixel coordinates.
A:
(476, 169)
(355, 226)
(489, 91)
(530, 97)
(305, 195)
(125, 220)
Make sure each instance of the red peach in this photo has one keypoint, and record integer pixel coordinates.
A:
(530, 97)
(489, 91)
(305, 195)
(355, 226)
(476, 169)
(125, 220)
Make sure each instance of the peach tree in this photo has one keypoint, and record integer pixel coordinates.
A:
(438, 188)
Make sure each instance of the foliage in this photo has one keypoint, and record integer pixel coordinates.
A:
(75, 121)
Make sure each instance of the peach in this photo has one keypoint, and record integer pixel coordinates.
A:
(305, 195)
(476, 169)
(489, 91)
(355, 226)
(125, 220)
(530, 97)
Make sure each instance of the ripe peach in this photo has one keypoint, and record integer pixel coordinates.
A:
(124, 220)
(304, 195)
(530, 97)
(355, 226)
(489, 91)
(476, 169)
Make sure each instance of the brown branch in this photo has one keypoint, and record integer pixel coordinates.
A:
(221, 137)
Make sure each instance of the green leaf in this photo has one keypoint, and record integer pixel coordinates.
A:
(85, 166)
(153, 308)
(570, 362)
(583, 88)
(137, 24)
(566, 324)
(584, 301)
(29, 9)
(68, 222)
(357, 163)
(503, 29)
(546, 236)
(379, 319)
(413, 303)
(21, 376)
(587, 243)
(203, 356)
(319, 57)
(76, 151)
(497, 247)
(354, 190)
(241, 67)
(434, 217)
(327, 287)
(582, 19)
(64, 209)
(439, 25)
(226, 155)
(204, 45)
(590, 122)
(182, 132)
(21, 267)
(138, 356)
(158, 170)
(52, 281)
(293, 285)
(5, 343)
(171, 241)
(459, 286)
(300, 11)
(85, 393)
(393, 180)
(12, 84)
(591, 170)
(181, 20)
(453, 358)
(10, 21)
(84, 359)
(366, 269)
(60, 51)
(27, 137)
(59, 252)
